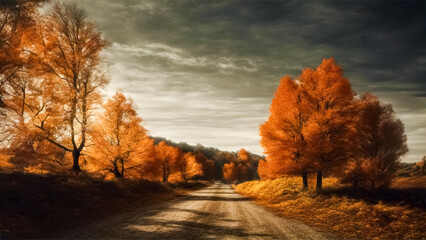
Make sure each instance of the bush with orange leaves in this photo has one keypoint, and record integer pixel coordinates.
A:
(350, 218)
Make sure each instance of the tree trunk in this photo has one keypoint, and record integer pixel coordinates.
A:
(355, 183)
(319, 179)
(184, 176)
(305, 180)
(117, 172)
(75, 157)
(165, 175)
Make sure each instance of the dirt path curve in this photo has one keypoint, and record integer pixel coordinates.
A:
(215, 212)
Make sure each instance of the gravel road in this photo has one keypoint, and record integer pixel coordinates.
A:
(215, 212)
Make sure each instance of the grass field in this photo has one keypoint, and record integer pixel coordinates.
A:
(409, 182)
(356, 215)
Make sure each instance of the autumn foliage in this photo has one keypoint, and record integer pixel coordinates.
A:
(239, 169)
(381, 143)
(53, 115)
(119, 140)
(318, 125)
(54, 118)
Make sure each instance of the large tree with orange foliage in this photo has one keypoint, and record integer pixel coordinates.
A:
(330, 127)
(380, 143)
(283, 134)
(71, 59)
(310, 122)
(119, 140)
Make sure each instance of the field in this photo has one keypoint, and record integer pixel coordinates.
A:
(351, 214)
(40, 206)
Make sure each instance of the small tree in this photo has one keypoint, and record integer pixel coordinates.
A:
(230, 172)
(421, 165)
(381, 142)
(244, 165)
(188, 167)
(118, 138)
(168, 158)
(208, 166)
(238, 170)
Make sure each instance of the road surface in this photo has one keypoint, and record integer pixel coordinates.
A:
(215, 212)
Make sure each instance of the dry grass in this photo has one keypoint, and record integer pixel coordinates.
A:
(410, 182)
(351, 218)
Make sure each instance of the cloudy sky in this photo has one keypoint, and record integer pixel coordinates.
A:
(205, 71)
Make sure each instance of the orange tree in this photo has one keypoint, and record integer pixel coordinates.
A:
(310, 123)
(330, 128)
(380, 144)
(118, 137)
(72, 61)
(283, 134)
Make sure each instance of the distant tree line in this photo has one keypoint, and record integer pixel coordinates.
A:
(226, 164)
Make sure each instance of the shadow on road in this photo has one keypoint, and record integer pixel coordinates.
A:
(216, 198)
(181, 221)
(220, 188)
(220, 193)
(185, 230)
(145, 226)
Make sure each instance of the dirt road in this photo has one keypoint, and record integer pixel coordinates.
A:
(215, 212)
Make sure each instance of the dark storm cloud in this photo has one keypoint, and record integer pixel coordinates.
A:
(205, 71)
